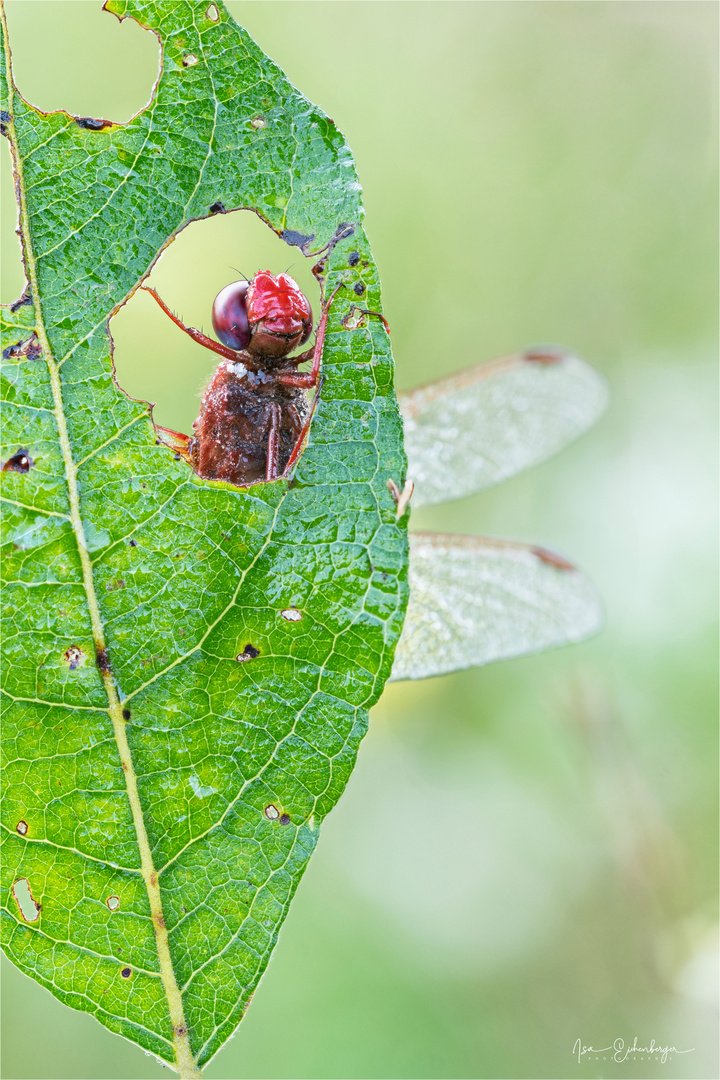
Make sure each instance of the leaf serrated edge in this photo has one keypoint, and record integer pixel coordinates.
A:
(185, 1063)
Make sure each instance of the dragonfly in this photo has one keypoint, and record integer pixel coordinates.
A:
(473, 599)
(476, 599)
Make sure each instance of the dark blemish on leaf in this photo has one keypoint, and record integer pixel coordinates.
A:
(126, 973)
(547, 355)
(153, 879)
(181, 1030)
(551, 559)
(292, 482)
(28, 905)
(159, 921)
(353, 258)
(358, 288)
(248, 653)
(258, 122)
(101, 659)
(189, 60)
(29, 349)
(113, 903)
(345, 228)
(89, 123)
(183, 909)
(297, 239)
(126, 714)
(212, 13)
(218, 208)
(319, 268)
(20, 462)
(272, 812)
(26, 298)
(284, 819)
(74, 657)
(5, 119)
(22, 828)
(133, 543)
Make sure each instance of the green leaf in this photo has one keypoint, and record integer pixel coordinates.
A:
(476, 599)
(162, 799)
(482, 425)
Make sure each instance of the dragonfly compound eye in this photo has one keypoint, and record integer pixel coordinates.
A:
(229, 315)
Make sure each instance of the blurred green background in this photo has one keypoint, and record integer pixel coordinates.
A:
(526, 854)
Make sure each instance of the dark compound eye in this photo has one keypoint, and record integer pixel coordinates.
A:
(229, 315)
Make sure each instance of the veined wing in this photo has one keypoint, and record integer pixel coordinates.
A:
(474, 599)
(482, 425)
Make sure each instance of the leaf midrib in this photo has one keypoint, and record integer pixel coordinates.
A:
(184, 1060)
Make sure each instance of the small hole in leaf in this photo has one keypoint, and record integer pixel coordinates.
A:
(113, 902)
(291, 614)
(212, 13)
(22, 828)
(28, 905)
(74, 657)
(257, 122)
(272, 812)
(126, 973)
(189, 60)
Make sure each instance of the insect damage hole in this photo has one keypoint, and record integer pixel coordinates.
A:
(20, 462)
(154, 360)
(291, 614)
(74, 657)
(271, 812)
(248, 653)
(22, 828)
(113, 903)
(26, 902)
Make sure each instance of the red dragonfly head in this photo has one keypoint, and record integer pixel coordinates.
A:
(268, 316)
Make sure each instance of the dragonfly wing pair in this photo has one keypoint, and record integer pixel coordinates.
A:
(476, 599)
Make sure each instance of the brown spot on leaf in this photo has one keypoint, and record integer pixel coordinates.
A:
(101, 659)
(297, 239)
(126, 714)
(358, 288)
(20, 462)
(218, 208)
(189, 60)
(284, 819)
(353, 258)
(26, 298)
(126, 973)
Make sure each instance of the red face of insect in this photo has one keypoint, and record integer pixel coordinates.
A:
(268, 316)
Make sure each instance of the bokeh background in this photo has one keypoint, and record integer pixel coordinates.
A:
(526, 854)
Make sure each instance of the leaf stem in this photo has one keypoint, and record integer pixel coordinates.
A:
(185, 1062)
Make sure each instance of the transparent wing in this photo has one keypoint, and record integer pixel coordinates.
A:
(478, 427)
(474, 599)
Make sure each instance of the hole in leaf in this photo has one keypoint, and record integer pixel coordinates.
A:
(272, 812)
(22, 828)
(113, 903)
(26, 902)
(79, 58)
(154, 360)
(212, 13)
(189, 60)
(291, 614)
(74, 657)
